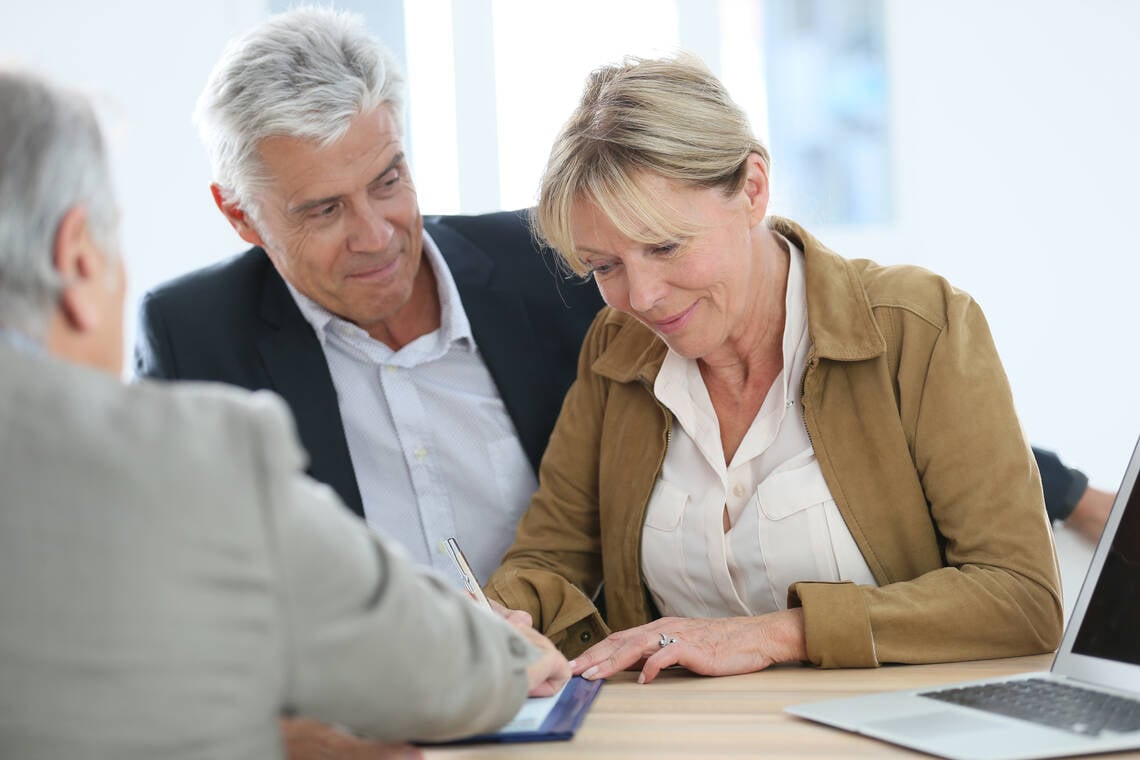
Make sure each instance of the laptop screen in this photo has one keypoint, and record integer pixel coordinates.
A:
(1111, 625)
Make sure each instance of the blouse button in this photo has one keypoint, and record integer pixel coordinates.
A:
(738, 491)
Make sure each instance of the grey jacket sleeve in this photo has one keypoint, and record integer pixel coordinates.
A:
(373, 643)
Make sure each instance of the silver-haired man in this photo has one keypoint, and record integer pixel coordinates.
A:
(171, 581)
(425, 359)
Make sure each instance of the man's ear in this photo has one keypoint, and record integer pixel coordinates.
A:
(234, 214)
(756, 187)
(78, 262)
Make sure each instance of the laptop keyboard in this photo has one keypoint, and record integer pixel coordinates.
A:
(1057, 705)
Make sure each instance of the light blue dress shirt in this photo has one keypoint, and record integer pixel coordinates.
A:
(434, 450)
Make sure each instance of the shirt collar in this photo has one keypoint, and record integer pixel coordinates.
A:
(454, 329)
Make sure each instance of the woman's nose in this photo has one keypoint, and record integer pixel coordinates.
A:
(646, 286)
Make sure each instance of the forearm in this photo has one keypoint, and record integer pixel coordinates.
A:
(945, 615)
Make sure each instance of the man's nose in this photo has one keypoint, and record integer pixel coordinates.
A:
(371, 230)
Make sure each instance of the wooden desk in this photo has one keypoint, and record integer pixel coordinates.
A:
(685, 716)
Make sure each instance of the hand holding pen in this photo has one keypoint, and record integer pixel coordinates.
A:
(550, 671)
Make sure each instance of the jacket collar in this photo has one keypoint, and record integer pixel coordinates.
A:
(840, 320)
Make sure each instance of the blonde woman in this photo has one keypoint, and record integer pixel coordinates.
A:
(771, 453)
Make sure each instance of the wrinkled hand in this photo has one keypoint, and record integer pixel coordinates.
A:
(312, 740)
(547, 675)
(551, 671)
(709, 646)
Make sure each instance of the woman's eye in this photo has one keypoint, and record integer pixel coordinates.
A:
(601, 269)
(665, 249)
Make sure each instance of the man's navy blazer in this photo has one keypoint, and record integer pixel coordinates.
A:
(236, 322)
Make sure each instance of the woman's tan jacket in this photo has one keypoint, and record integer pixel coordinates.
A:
(913, 424)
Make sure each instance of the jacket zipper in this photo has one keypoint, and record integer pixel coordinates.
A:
(812, 361)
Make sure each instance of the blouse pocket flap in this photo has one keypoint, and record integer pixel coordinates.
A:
(785, 493)
(666, 505)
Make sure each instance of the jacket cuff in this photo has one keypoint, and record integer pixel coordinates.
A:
(837, 624)
(560, 610)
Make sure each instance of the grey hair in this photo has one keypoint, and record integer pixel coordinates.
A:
(304, 74)
(52, 159)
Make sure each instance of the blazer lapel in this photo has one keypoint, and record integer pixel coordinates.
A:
(299, 373)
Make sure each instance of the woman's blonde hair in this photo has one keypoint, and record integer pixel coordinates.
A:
(668, 116)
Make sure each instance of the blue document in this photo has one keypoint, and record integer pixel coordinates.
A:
(544, 719)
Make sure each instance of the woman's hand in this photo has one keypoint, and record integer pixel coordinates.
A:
(709, 646)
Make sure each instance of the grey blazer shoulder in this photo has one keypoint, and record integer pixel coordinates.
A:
(172, 582)
(235, 322)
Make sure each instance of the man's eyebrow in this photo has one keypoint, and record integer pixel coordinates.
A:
(396, 161)
(309, 205)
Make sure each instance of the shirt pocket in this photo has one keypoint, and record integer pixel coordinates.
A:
(794, 535)
(666, 506)
(783, 494)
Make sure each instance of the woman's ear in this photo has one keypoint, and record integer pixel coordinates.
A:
(756, 187)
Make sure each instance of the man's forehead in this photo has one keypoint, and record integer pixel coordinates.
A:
(305, 166)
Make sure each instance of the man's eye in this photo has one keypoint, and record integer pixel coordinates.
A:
(387, 182)
(324, 212)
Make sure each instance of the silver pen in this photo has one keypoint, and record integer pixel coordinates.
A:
(469, 579)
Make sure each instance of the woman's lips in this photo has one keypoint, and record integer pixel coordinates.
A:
(674, 323)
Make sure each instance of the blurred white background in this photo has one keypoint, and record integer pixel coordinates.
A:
(1012, 135)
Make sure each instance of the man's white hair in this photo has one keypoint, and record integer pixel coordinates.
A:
(304, 74)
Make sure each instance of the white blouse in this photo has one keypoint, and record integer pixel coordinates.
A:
(784, 525)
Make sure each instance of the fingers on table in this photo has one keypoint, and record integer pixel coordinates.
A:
(621, 651)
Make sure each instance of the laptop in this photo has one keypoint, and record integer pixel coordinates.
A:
(1088, 702)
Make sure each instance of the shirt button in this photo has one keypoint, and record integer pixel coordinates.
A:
(420, 453)
(738, 491)
(585, 636)
(391, 368)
